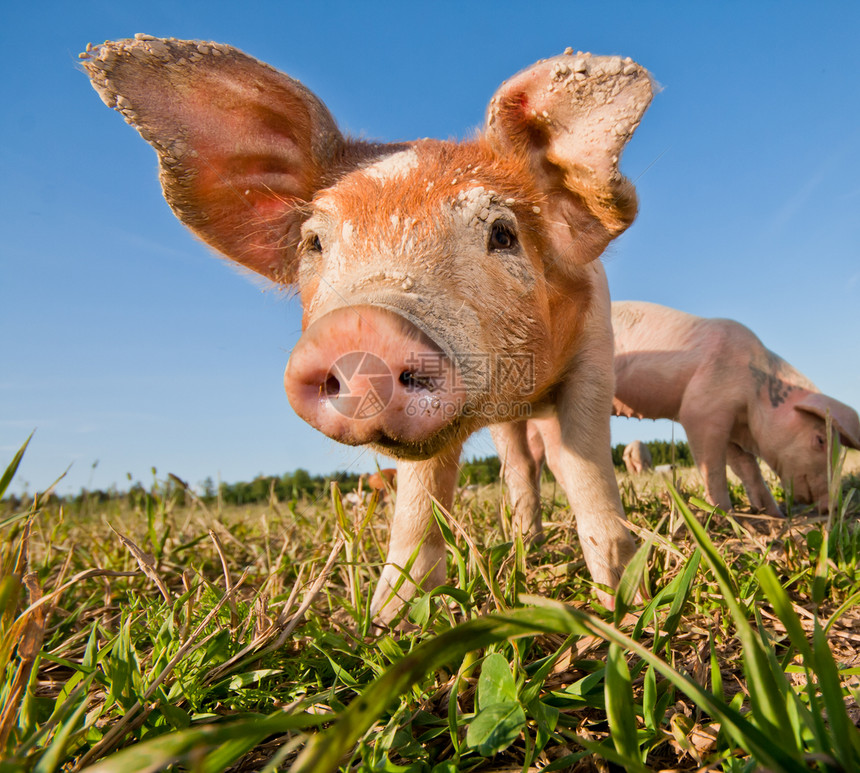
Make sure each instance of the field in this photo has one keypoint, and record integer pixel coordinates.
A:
(172, 633)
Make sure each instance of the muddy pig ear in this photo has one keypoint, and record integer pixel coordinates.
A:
(571, 116)
(844, 417)
(240, 144)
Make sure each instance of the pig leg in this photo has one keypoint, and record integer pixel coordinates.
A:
(746, 467)
(537, 450)
(579, 454)
(708, 443)
(413, 522)
(592, 492)
(521, 470)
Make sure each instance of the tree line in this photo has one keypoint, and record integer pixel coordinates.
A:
(302, 484)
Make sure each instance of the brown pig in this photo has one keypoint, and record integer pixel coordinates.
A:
(736, 400)
(445, 286)
(383, 480)
(637, 458)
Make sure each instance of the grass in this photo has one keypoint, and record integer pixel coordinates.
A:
(205, 638)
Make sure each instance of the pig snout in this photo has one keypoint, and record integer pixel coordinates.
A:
(813, 490)
(366, 375)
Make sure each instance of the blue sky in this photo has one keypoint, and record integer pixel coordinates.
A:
(127, 343)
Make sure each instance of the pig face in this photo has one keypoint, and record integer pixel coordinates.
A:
(447, 242)
(443, 284)
(800, 444)
(802, 465)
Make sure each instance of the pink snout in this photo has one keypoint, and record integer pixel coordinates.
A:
(363, 374)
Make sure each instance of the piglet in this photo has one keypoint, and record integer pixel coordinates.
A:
(383, 480)
(637, 458)
(445, 286)
(736, 400)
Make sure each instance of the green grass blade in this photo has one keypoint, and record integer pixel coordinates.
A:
(632, 580)
(532, 688)
(850, 602)
(846, 737)
(822, 570)
(716, 673)
(649, 700)
(679, 590)
(766, 697)
(12, 468)
(53, 756)
(619, 709)
(159, 753)
(818, 660)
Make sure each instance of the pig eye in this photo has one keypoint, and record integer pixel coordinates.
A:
(502, 236)
(311, 243)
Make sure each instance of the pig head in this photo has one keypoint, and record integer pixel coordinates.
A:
(445, 286)
(736, 400)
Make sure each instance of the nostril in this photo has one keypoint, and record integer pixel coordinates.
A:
(416, 382)
(332, 386)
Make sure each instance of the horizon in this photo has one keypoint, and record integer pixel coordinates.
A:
(169, 479)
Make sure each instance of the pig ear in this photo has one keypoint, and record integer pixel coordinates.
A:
(844, 417)
(571, 116)
(241, 146)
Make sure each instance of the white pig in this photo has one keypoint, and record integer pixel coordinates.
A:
(637, 457)
(445, 286)
(736, 400)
